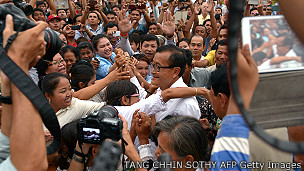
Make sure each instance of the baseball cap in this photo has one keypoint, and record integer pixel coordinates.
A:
(51, 17)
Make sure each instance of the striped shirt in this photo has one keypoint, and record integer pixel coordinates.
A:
(231, 147)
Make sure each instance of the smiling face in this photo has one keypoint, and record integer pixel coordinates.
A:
(221, 55)
(62, 95)
(57, 65)
(70, 59)
(143, 68)
(148, 48)
(104, 48)
(165, 77)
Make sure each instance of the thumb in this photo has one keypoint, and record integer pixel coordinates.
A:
(133, 22)
(142, 85)
(9, 29)
(246, 52)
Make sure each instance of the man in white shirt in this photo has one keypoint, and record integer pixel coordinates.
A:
(168, 66)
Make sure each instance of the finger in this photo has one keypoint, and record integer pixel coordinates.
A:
(124, 121)
(133, 23)
(40, 27)
(9, 28)
(247, 55)
(135, 113)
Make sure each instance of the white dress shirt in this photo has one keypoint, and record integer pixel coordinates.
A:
(155, 105)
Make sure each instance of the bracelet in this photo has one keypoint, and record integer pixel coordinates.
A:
(123, 35)
(149, 92)
(77, 159)
(6, 99)
(195, 91)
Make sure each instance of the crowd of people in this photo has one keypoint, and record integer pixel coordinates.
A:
(166, 77)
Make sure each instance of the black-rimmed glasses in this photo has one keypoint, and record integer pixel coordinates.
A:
(157, 67)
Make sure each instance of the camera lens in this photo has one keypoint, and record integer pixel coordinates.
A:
(53, 44)
(26, 8)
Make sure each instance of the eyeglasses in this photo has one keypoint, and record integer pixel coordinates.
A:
(255, 13)
(157, 67)
(55, 62)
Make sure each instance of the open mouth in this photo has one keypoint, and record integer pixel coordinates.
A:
(68, 99)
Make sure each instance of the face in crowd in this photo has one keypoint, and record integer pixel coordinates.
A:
(197, 46)
(148, 48)
(104, 48)
(57, 65)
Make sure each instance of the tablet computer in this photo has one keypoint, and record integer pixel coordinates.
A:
(272, 43)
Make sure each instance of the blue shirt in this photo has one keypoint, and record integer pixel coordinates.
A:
(104, 65)
(231, 145)
(99, 29)
(141, 27)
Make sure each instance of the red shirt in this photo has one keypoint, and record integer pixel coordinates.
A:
(74, 44)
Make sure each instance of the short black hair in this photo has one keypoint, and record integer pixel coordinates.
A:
(40, 3)
(111, 12)
(254, 8)
(176, 59)
(221, 43)
(188, 55)
(219, 8)
(150, 24)
(96, 39)
(116, 6)
(94, 13)
(109, 25)
(201, 26)
(219, 81)
(37, 9)
(74, 19)
(59, 10)
(81, 73)
(288, 41)
(224, 26)
(204, 23)
(184, 40)
(84, 45)
(149, 37)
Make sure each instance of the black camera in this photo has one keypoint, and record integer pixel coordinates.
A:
(100, 125)
(25, 7)
(22, 23)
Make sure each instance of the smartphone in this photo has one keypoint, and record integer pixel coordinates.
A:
(116, 34)
(134, 6)
(75, 27)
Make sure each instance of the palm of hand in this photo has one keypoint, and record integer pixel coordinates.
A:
(169, 28)
(124, 26)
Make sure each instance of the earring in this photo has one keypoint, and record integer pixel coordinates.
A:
(49, 100)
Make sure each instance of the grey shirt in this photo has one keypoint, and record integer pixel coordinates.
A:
(200, 77)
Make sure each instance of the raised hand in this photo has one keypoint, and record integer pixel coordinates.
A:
(124, 23)
(210, 8)
(169, 26)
